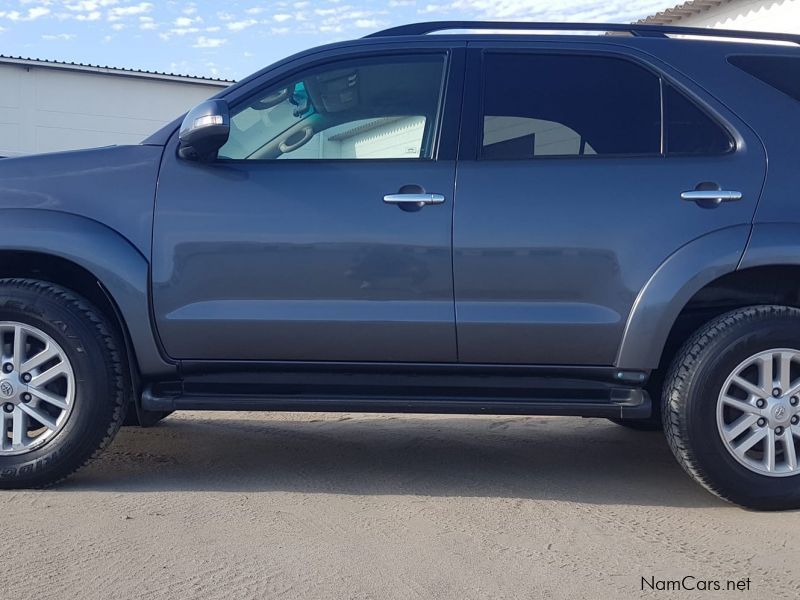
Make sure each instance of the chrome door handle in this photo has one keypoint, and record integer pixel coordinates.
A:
(413, 199)
(711, 195)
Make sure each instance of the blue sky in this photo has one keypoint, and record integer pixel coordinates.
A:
(232, 39)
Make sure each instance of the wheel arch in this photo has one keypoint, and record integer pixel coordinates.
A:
(669, 289)
(92, 260)
(767, 272)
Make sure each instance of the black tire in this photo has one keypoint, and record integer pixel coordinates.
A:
(101, 380)
(693, 384)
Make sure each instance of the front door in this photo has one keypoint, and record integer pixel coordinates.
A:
(323, 230)
(570, 190)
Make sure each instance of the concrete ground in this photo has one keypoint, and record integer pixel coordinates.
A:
(249, 505)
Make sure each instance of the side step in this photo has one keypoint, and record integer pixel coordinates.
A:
(613, 402)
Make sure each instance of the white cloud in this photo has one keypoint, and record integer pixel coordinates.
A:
(89, 5)
(369, 23)
(90, 16)
(281, 17)
(37, 11)
(240, 25)
(184, 21)
(119, 12)
(31, 15)
(565, 10)
(184, 30)
(61, 37)
(206, 42)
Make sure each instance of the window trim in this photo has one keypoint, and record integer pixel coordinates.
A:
(663, 81)
(446, 54)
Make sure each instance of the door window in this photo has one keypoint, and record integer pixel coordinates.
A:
(538, 105)
(358, 109)
(561, 105)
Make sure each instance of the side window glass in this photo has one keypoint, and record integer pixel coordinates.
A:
(360, 109)
(538, 105)
(689, 130)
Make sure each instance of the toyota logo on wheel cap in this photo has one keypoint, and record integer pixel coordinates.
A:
(6, 389)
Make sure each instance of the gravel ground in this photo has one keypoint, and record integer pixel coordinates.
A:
(266, 505)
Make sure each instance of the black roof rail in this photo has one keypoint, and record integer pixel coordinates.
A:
(633, 29)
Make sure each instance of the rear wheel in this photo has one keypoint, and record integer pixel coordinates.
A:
(62, 383)
(732, 407)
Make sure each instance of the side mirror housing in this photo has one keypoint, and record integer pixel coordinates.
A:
(204, 131)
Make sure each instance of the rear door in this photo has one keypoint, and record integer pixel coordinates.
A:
(323, 231)
(570, 184)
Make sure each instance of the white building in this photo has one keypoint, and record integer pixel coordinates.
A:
(781, 16)
(49, 106)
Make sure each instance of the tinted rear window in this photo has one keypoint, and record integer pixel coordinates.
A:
(689, 130)
(568, 105)
(781, 72)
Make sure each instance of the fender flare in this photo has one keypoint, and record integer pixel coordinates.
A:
(669, 289)
(119, 267)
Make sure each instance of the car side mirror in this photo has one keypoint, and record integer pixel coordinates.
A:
(204, 131)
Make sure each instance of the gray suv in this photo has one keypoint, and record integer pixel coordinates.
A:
(495, 222)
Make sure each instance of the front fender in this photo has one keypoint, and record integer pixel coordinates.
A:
(104, 253)
(668, 290)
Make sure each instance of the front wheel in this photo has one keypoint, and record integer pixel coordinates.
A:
(62, 383)
(732, 407)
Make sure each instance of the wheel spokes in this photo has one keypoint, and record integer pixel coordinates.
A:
(39, 414)
(37, 387)
(787, 442)
(19, 428)
(48, 375)
(758, 415)
(765, 377)
(741, 405)
(750, 441)
(753, 390)
(50, 398)
(36, 361)
(783, 378)
(18, 347)
(769, 451)
(737, 428)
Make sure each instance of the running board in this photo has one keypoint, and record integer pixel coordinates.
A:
(620, 403)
